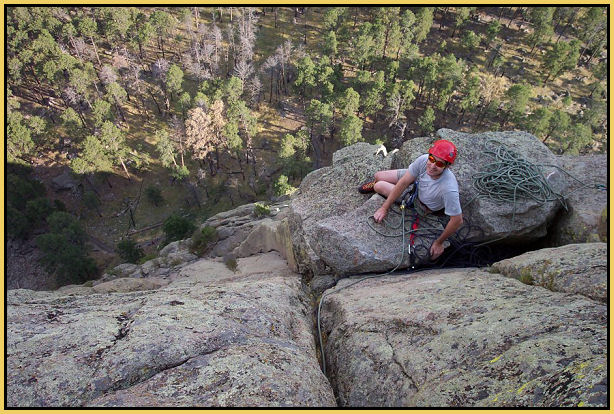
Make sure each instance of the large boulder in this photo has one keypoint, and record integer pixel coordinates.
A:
(242, 232)
(211, 337)
(65, 181)
(523, 221)
(327, 200)
(586, 218)
(332, 227)
(463, 338)
(573, 268)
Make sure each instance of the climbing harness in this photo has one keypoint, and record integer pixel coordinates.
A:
(507, 179)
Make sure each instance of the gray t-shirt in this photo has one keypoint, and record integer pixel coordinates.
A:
(436, 193)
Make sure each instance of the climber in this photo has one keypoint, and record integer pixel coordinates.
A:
(436, 186)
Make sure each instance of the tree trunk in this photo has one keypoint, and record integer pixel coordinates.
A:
(513, 17)
(120, 112)
(155, 101)
(96, 51)
(460, 119)
(271, 92)
(385, 42)
(125, 169)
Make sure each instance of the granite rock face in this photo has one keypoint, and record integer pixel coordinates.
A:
(211, 337)
(525, 220)
(241, 233)
(184, 331)
(586, 219)
(328, 198)
(332, 226)
(573, 268)
(463, 338)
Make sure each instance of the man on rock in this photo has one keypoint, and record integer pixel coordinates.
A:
(437, 189)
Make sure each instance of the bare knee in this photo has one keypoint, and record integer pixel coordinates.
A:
(388, 176)
(383, 187)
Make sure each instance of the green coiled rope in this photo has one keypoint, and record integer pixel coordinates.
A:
(511, 177)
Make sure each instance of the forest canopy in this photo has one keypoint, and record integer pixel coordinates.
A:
(240, 103)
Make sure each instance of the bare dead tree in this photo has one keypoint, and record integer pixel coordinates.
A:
(243, 70)
(107, 75)
(254, 89)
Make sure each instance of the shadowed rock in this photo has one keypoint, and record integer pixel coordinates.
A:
(587, 217)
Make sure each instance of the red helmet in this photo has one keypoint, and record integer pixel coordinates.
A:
(444, 149)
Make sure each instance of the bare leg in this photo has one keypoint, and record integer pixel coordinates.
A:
(385, 181)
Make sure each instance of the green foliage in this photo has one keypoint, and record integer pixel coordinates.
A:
(202, 240)
(425, 122)
(180, 173)
(174, 79)
(286, 149)
(559, 124)
(561, 57)
(25, 208)
(101, 111)
(19, 141)
(165, 148)
(351, 130)
(17, 224)
(93, 157)
(64, 250)
(146, 258)
(116, 93)
(324, 79)
(492, 30)
(470, 41)
(129, 250)
(349, 102)
(184, 102)
(71, 122)
(424, 20)
(177, 227)
(282, 187)
(518, 96)
(541, 18)
(292, 153)
(319, 117)
(333, 17)
(90, 200)
(373, 98)
(526, 277)
(231, 263)
(330, 44)
(21, 187)
(154, 195)
(261, 210)
(578, 137)
(59, 87)
(539, 122)
(37, 210)
(363, 45)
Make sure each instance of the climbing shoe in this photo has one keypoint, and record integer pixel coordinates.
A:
(367, 187)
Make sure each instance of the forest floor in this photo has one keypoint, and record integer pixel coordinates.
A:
(283, 115)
